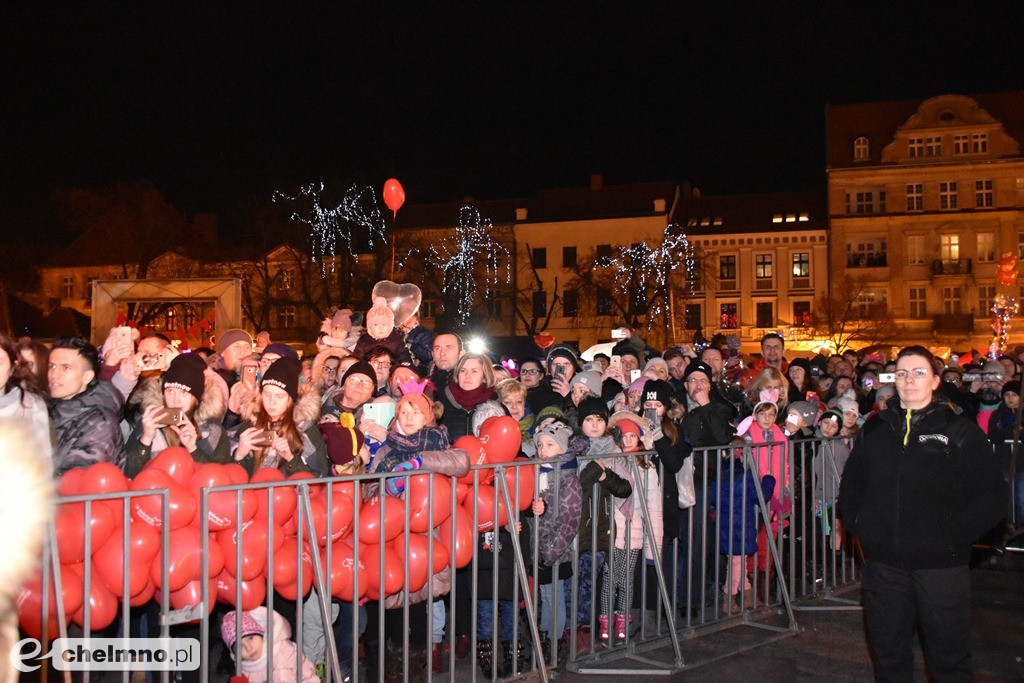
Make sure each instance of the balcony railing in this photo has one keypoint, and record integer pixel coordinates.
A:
(953, 322)
(957, 267)
(874, 260)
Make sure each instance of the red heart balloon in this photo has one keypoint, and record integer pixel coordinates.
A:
(175, 461)
(485, 509)
(394, 194)
(418, 496)
(465, 535)
(108, 561)
(477, 456)
(284, 498)
(369, 520)
(102, 607)
(394, 572)
(70, 524)
(149, 509)
(525, 475)
(253, 592)
(286, 572)
(342, 572)
(222, 512)
(501, 438)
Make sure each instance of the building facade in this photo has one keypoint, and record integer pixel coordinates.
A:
(923, 199)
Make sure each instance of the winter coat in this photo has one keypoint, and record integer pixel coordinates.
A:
(420, 341)
(501, 541)
(213, 444)
(827, 468)
(704, 426)
(457, 419)
(918, 500)
(612, 485)
(559, 524)
(737, 503)
(542, 396)
(284, 654)
(670, 456)
(88, 427)
(394, 342)
(1000, 430)
(306, 414)
(29, 411)
(632, 511)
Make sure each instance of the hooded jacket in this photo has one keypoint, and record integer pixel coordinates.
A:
(88, 427)
(917, 499)
(306, 413)
(284, 653)
(559, 480)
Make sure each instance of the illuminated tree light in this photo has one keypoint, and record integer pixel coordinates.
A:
(1003, 309)
(460, 258)
(334, 230)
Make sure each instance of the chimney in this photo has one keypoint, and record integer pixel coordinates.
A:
(659, 206)
(596, 181)
(521, 214)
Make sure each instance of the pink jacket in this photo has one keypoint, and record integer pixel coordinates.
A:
(284, 654)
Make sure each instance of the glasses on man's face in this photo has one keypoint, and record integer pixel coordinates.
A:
(915, 373)
(381, 364)
(529, 372)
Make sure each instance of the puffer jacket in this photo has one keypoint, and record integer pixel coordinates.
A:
(29, 410)
(306, 414)
(918, 499)
(284, 653)
(88, 427)
(556, 531)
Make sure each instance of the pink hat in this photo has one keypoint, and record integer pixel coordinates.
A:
(250, 627)
(420, 401)
(380, 313)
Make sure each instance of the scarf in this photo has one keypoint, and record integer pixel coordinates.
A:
(468, 400)
(402, 447)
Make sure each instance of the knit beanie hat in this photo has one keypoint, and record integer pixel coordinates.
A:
(381, 313)
(801, 363)
(832, 414)
(1011, 387)
(563, 351)
(284, 373)
(229, 337)
(282, 350)
(186, 373)
(805, 409)
(420, 401)
(591, 379)
(848, 404)
(638, 384)
(697, 366)
(656, 361)
(558, 431)
(550, 411)
(625, 348)
(342, 319)
(343, 439)
(360, 368)
(250, 627)
(629, 427)
(657, 390)
(592, 405)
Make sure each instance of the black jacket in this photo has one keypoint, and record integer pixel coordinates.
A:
(921, 505)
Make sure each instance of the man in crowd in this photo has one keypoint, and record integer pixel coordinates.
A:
(446, 352)
(772, 348)
(232, 346)
(85, 411)
(722, 390)
(676, 361)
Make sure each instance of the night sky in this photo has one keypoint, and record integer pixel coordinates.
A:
(219, 107)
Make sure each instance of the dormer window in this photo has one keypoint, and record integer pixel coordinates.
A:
(861, 149)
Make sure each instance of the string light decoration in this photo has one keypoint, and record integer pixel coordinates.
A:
(355, 222)
(459, 259)
(1003, 308)
(640, 268)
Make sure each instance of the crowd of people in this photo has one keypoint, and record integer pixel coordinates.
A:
(383, 396)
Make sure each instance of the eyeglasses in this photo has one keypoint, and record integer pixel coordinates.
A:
(529, 372)
(381, 365)
(916, 373)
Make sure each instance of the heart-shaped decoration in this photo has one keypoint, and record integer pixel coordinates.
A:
(403, 299)
(543, 340)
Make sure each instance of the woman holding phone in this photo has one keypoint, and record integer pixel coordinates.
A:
(279, 427)
(181, 410)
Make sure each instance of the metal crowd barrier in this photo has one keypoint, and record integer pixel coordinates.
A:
(683, 593)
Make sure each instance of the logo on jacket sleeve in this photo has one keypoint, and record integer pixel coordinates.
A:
(922, 438)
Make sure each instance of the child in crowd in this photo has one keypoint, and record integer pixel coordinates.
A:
(600, 478)
(737, 503)
(631, 434)
(557, 509)
(826, 469)
(253, 633)
(413, 431)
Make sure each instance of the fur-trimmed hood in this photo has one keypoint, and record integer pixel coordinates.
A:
(150, 392)
(305, 412)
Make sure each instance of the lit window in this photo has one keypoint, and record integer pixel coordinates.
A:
(801, 265)
(915, 249)
(804, 218)
(949, 247)
(171, 320)
(860, 149)
(727, 267)
(791, 218)
(986, 247)
(801, 314)
(777, 218)
(729, 318)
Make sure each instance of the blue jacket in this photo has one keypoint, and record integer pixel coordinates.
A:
(736, 499)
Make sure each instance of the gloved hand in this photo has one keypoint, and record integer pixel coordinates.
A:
(396, 485)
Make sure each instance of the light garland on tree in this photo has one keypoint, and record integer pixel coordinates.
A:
(335, 228)
(640, 267)
(460, 257)
(1003, 308)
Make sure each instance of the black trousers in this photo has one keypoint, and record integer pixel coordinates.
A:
(894, 598)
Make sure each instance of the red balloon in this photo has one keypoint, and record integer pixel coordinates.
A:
(284, 497)
(237, 473)
(185, 559)
(342, 570)
(465, 535)
(71, 482)
(103, 477)
(394, 572)
(485, 509)
(461, 490)
(108, 561)
(286, 572)
(420, 560)
(441, 556)
(527, 483)
(222, 511)
(145, 596)
(102, 607)
(419, 499)
(175, 461)
(253, 592)
(149, 509)
(369, 520)
(477, 456)
(394, 195)
(29, 602)
(341, 517)
(192, 594)
(70, 524)
(254, 548)
(501, 438)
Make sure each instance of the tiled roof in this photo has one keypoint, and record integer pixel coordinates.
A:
(878, 122)
(769, 212)
(608, 201)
